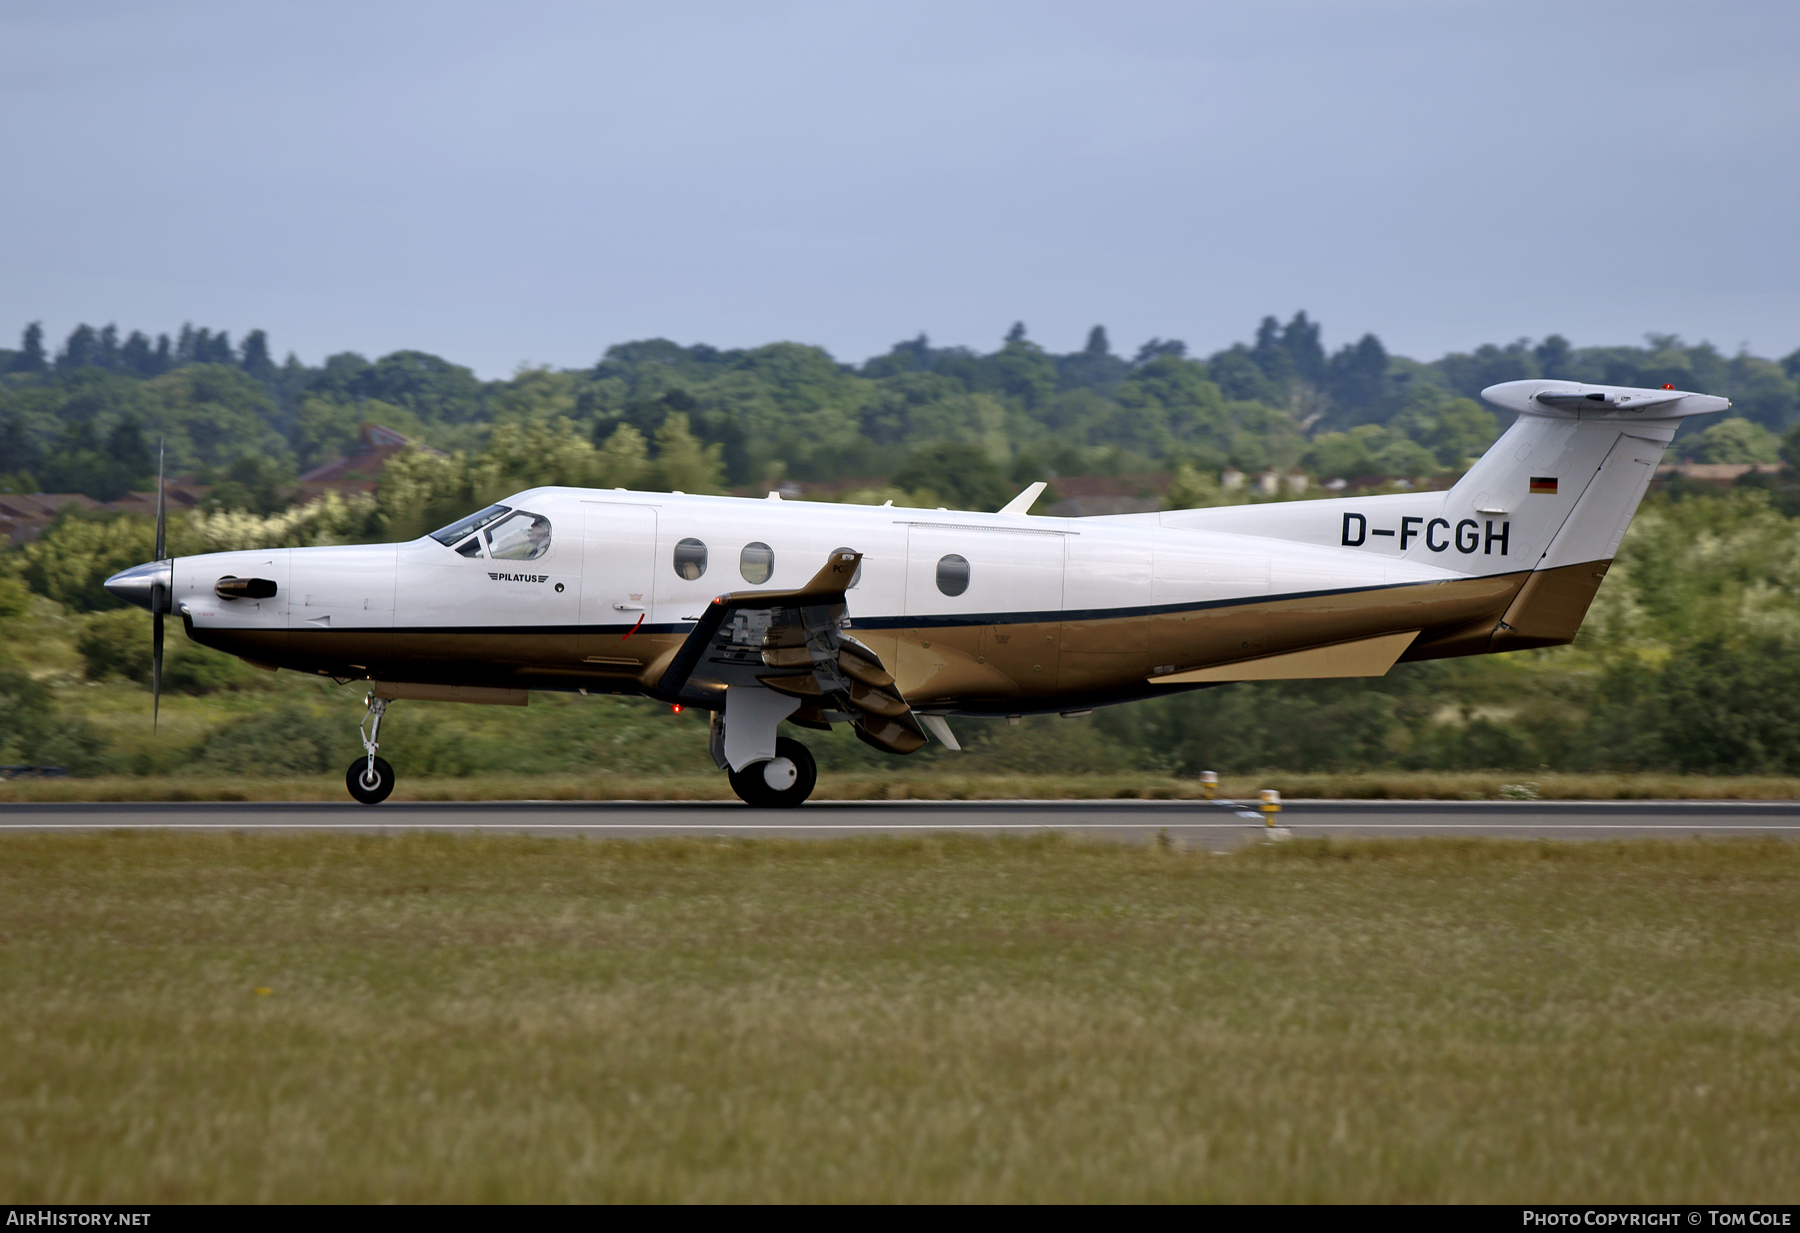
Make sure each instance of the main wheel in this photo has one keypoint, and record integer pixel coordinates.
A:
(780, 783)
(370, 790)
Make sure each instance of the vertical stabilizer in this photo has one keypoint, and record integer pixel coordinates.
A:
(1568, 476)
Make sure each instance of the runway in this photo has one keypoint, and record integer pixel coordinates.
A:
(1194, 823)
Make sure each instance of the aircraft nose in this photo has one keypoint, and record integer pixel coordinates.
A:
(136, 585)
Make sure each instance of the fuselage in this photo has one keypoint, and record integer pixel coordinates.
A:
(973, 613)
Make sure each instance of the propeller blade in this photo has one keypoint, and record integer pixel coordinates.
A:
(160, 539)
(156, 652)
(159, 597)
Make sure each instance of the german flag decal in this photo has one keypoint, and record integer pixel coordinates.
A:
(1544, 484)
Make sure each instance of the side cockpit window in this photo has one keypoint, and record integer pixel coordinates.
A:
(470, 549)
(519, 537)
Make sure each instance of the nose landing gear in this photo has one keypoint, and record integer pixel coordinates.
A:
(782, 782)
(370, 779)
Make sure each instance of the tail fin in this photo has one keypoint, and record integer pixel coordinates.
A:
(1567, 479)
(1552, 497)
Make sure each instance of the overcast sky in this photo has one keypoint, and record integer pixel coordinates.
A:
(530, 182)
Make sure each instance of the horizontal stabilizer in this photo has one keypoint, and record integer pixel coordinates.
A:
(1571, 398)
(1570, 401)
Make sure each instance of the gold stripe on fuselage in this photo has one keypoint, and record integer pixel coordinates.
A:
(1089, 658)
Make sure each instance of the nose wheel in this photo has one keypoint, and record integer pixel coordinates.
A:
(370, 779)
(782, 782)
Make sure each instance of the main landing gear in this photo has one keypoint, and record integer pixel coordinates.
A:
(370, 779)
(782, 782)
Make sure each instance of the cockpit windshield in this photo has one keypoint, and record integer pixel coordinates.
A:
(456, 530)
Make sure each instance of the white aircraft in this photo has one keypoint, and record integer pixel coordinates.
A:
(892, 620)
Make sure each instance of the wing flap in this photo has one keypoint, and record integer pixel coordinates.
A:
(793, 642)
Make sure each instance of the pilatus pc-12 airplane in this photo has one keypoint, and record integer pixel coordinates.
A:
(893, 620)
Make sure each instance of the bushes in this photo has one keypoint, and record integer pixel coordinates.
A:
(71, 560)
(292, 739)
(15, 598)
(1715, 709)
(117, 643)
(1313, 725)
(31, 733)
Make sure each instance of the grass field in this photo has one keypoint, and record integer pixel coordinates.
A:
(934, 783)
(330, 1017)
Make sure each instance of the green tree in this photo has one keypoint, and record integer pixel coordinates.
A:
(253, 483)
(1241, 379)
(1553, 356)
(211, 415)
(1194, 488)
(421, 491)
(1339, 455)
(1736, 439)
(256, 361)
(1762, 393)
(430, 387)
(535, 395)
(131, 463)
(325, 429)
(31, 357)
(1455, 430)
(18, 452)
(1356, 382)
(682, 463)
(1170, 401)
(81, 350)
(135, 355)
(77, 463)
(962, 476)
(78, 552)
(1405, 458)
(521, 454)
(1025, 371)
(624, 461)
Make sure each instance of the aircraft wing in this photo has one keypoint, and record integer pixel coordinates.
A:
(794, 642)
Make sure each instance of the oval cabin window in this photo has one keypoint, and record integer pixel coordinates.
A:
(756, 562)
(857, 577)
(953, 574)
(690, 559)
